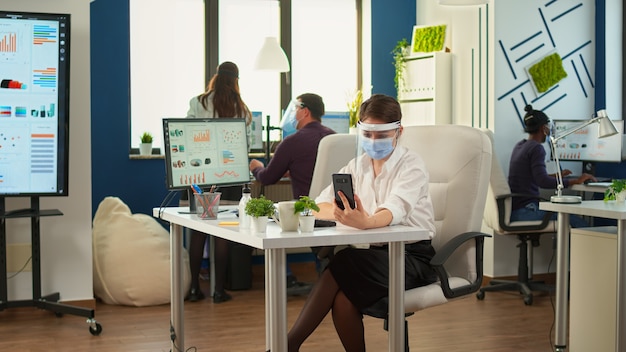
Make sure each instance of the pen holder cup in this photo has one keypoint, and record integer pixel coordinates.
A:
(207, 205)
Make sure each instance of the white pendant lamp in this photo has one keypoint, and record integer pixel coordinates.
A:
(462, 2)
(272, 57)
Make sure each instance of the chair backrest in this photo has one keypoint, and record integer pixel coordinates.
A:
(458, 160)
(499, 186)
(333, 152)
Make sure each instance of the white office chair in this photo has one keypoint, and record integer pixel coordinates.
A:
(497, 216)
(333, 152)
(458, 160)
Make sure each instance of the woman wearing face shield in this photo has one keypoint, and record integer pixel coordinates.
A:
(391, 187)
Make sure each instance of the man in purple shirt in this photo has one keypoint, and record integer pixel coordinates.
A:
(527, 170)
(295, 157)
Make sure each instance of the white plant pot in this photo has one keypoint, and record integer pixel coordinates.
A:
(307, 223)
(621, 196)
(259, 224)
(145, 149)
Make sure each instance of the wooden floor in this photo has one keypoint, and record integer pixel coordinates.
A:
(501, 322)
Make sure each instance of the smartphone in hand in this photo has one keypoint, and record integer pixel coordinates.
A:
(343, 183)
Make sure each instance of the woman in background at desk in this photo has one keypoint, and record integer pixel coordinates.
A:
(221, 99)
(391, 187)
(527, 170)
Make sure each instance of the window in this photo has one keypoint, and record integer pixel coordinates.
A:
(168, 56)
(166, 62)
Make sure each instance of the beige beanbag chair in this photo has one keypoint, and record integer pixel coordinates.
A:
(131, 257)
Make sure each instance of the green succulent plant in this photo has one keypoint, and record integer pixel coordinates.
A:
(146, 137)
(257, 207)
(305, 206)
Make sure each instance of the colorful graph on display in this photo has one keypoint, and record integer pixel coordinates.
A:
(198, 178)
(43, 34)
(8, 42)
(232, 136)
(45, 78)
(202, 136)
(226, 174)
(228, 157)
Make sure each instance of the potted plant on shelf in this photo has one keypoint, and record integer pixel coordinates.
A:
(145, 148)
(399, 53)
(305, 207)
(260, 209)
(616, 191)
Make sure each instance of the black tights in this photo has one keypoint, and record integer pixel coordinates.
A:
(348, 320)
(196, 252)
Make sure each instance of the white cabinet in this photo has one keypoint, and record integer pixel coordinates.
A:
(593, 285)
(425, 90)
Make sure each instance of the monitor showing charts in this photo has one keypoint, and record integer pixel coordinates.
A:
(205, 152)
(34, 103)
(584, 145)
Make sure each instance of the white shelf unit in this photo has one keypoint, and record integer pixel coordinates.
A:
(593, 287)
(425, 90)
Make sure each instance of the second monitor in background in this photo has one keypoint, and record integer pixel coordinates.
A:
(338, 121)
(584, 145)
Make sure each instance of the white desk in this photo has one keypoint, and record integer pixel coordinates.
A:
(274, 242)
(597, 208)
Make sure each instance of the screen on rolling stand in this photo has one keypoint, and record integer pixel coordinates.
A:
(34, 103)
(205, 152)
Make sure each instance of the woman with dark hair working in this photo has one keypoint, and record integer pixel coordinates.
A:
(527, 170)
(221, 99)
(391, 187)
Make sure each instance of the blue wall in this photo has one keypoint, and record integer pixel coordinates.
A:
(392, 20)
(141, 183)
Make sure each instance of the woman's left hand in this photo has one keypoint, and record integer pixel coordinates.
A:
(356, 217)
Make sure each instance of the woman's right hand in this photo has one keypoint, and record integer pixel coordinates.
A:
(582, 179)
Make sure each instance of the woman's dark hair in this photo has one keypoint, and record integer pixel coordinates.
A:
(227, 100)
(534, 119)
(381, 107)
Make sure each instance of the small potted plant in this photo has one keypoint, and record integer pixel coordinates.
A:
(260, 209)
(305, 207)
(145, 148)
(616, 191)
(399, 53)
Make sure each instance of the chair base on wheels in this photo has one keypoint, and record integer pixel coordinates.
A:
(523, 285)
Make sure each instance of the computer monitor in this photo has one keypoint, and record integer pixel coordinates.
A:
(205, 152)
(584, 145)
(256, 129)
(34, 103)
(338, 121)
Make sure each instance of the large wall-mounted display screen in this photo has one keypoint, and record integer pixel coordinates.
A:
(205, 152)
(34, 103)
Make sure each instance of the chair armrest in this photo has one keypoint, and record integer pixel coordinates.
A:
(501, 211)
(446, 251)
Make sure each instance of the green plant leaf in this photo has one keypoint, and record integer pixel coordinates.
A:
(257, 207)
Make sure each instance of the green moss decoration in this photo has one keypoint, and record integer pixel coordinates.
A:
(428, 39)
(547, 72)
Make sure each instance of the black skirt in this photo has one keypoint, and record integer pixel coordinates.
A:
(363, 274)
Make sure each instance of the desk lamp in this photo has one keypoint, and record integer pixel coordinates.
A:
(606, 129)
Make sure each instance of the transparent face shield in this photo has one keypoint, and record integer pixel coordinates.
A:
(377, 140)
(288, 122)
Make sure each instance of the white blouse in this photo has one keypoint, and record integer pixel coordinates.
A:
(401, 188)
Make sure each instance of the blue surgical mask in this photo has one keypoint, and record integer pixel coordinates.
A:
(377, 148)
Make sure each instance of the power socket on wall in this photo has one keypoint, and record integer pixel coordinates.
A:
(18, 255)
